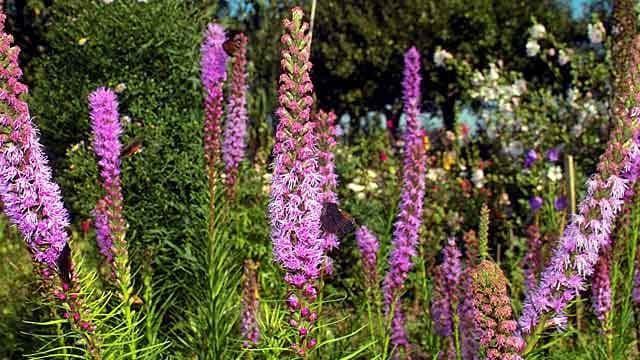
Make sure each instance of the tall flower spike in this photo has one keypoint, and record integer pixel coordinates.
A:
(235, 130)
(446, 295)
(531, 260)
(368, 245)
(407, 226)
(31, 200)
(295, 206)
(326, 132)
(494, 324)
(574, 258)
(213, 64)
(248, 322)
(110, 223)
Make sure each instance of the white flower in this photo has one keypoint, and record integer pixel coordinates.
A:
(477, 78)
(432, 174)
(519, 87)
(478, 178)
(441, 56)
(563, 57)
(596, 32)
(355, 187)
(372, 186)
(532, 48)
(554, 173)
(120, 88)
(125, 119)
(537, 31)
(107, 1)
(371, 174)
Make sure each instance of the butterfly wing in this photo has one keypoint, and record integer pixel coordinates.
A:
(64, 264)
(135, 147)
(335, 221)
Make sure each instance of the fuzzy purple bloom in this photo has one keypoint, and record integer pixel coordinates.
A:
(295, 204)
(106, 128)
(31, 200)
(446, 289)
(553, 154)
(560, 203)
(529, 158)
(407, 226)
(326, 132)
(369, 245)
(535, 203)
(577, 252)
(235, 130)
(213, 68)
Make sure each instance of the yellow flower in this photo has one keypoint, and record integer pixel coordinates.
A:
(448, 159)
(426, 142)
(82, 41)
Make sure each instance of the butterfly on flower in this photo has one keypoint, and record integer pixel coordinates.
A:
(335, 221)
(64, 264)
(135, 147)
(232, 45)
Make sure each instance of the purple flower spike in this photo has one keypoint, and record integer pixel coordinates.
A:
(535, 203)
(530, 157)
(368, 244)
(235, 129)
(407, 226)
(575, 257)
(326, 132)
(213, 65)
(636, 287)
(601, 286)
(106, 128)
(31, 200)
(446, 294)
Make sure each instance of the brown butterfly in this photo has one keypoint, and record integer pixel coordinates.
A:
(135, 147)
(335, 221)
(232, 44)
(64, 264)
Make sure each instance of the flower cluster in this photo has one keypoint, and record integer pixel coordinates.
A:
(531, 260)
(106, 128)
(407, 226)
(213, 64)
(494, 325)
(577, 252)
(295, 206)
(248, 322)
(446, 292)
(369, 245)
(601, 286)
(31, 200)
(233, 146)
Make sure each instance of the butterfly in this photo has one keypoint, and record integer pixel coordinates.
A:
(135, 147)
(64, 264)
(232, 44)
(335, 221)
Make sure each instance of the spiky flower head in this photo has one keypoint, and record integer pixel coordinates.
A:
(494, 323)
(326, 142)
(577, 252)
(407, 226)
(601, 286)
(368, 245)
(295, 206)
(235, 130)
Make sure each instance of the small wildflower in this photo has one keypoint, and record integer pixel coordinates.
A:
(554, 173)
(537, 31)
(532, 48)
(82, 41)
(535, 203)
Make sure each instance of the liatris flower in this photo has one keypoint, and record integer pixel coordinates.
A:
(295, 191)
(531, 261)
(494, 325)
(31, 200)
(213, 64)
(326, 132)
(248, 323)
(103, 233)
(576, 254)
(369, 245)
(407, 227)
(466, 313)
(106, 128)
(601, 285)
(446, 293)
(236, 125)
